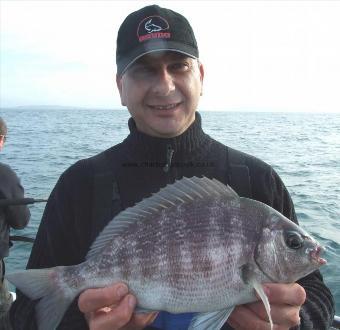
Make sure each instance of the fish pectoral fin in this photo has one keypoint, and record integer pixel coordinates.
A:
(247, 271)
(211, 320)
(259, 289)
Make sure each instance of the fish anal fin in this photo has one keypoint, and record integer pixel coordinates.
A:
(210, 320)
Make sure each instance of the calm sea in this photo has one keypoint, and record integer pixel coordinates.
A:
(303, 148)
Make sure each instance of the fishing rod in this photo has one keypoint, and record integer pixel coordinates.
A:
(21, 239)
(20, 201)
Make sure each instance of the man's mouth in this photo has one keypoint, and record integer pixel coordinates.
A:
(165, 106)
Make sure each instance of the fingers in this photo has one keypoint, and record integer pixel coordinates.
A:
(94, 299)
(112, 308)
(290, 294)
(285, 302)
(284, 315)
(242, 318)
(140, 321)
(114, 318)
(120, 317)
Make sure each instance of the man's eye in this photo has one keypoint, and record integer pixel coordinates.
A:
(180, 66)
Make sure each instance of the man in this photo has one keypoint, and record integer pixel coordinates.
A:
(10, 216)
(160, 80)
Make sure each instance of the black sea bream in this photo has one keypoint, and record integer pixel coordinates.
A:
(195, 246)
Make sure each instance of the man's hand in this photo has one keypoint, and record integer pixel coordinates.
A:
(112, 308)
(285, 303)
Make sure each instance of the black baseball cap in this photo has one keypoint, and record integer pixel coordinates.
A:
(153, 29)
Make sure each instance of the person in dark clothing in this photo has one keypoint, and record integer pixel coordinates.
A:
(15, 217)
(160, 81)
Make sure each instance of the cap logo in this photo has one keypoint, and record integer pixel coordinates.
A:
(152, 27)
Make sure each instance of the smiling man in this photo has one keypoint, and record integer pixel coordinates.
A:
(160, 79)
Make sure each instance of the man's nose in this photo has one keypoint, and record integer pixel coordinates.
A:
(163, 82)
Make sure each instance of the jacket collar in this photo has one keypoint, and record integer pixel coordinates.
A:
(186, 143)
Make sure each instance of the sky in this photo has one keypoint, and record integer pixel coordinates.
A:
(257, 55)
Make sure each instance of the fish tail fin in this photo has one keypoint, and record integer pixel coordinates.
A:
(41, 284)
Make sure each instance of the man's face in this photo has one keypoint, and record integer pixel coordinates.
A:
(161, 91)
(2, 141)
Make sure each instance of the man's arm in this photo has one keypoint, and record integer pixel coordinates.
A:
(318, 310)
(18, 216)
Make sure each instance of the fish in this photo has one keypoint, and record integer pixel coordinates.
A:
(194, 246)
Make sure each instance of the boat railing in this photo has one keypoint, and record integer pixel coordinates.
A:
(336, 322)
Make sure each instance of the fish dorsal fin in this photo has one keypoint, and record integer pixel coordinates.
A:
(186, 190)
(205, 187)
(115, 228)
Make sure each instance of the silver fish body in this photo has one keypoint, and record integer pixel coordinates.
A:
(195, 246)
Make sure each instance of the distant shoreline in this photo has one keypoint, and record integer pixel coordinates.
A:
(79, 108)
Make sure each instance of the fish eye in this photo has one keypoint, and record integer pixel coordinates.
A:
(294, 240)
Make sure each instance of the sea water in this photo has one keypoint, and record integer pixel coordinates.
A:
(304, 148)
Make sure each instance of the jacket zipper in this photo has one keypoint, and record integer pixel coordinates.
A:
(169, 155)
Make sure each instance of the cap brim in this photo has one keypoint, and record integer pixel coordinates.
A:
(172, 46)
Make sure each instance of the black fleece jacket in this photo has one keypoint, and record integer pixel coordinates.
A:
(10, 216)
(66, 230)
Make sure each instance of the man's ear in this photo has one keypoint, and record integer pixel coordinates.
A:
(201, 68)
(120, 89)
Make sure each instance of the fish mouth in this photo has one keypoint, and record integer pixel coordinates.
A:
(315, 255)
